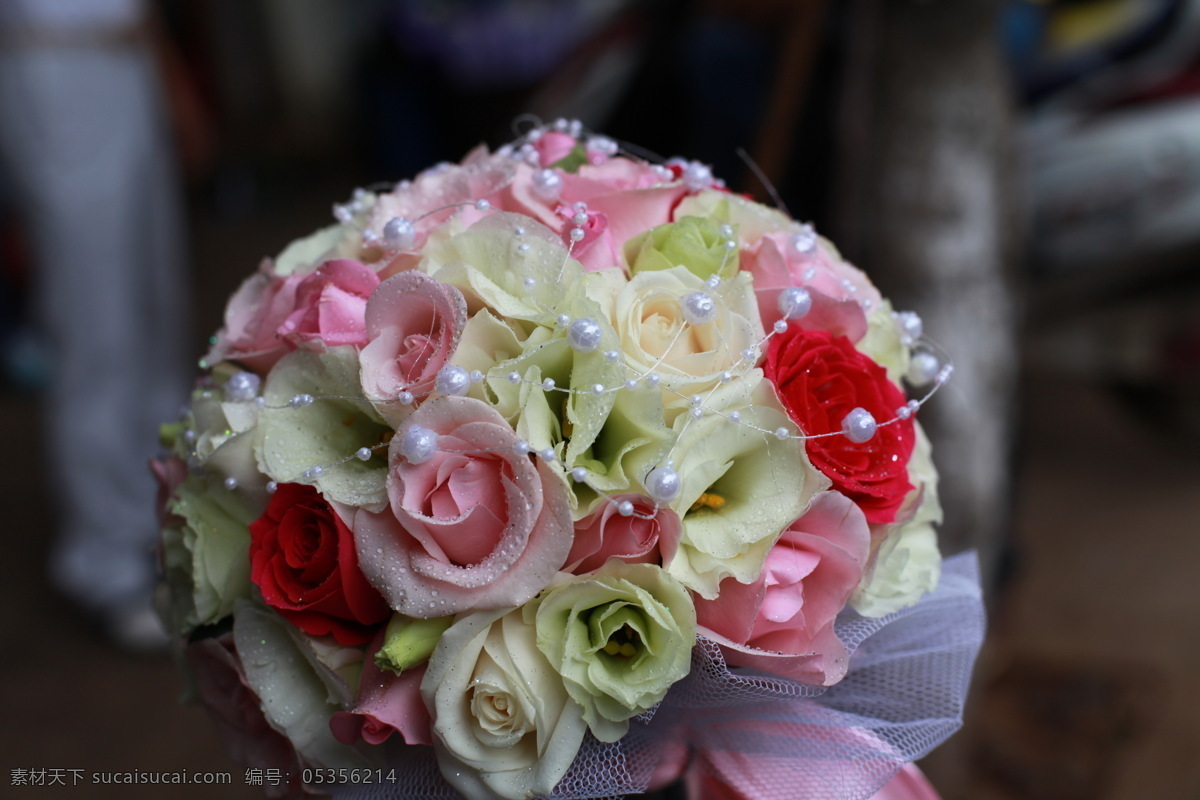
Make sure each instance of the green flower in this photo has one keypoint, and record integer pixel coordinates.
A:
(325, 433)
(692, 242)
(620, 637)
(907, 564)
(752, 220)
(204, 554)
(740, 488)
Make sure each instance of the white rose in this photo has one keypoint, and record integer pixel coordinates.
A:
(504, 725)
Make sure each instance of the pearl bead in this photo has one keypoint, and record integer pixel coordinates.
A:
(454, 381)
(663, 484)
(477, 376)
(726, 230)
(242, 387)
(750, 354)
(363, 454)
(547, 455)
(418, 445)
(696, 401)
(713, 282)
(522, 249)
(794, 302)
(343, 214)
(602, 145)
(482, 205)
(405, 398)
(611, 356)
(301, 400)
(231, 483)
(522, 448)
(804, 241)
(580, 219)
(563, 320)
(923, 368)
(697, 413)
(631, 383)
(903, 412)
(652, 380)
(910, 325)
(272, 487)
(400, 233)
(189, 436)
(519, 230)
(780, 326)
(735, 416)
(260, 402)
(625, 508)
(584, 334)
(859, 426)
(312, 473)
(548, 384)
(944, 374)
(547, 185)
(576, 234)
(697, 176)
(514, 378)
(579, 474)
(699, 308)
(725, 377)
(598, 389)
(782, 433)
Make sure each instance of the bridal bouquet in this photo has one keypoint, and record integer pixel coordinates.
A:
(559, 473)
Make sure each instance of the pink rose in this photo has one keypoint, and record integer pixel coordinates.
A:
(439, 193)
(648, 536)
(475, 525)
(237, 714)
(553, 147)
(783, 622)
(627, 211)
(387, 703)
(837, 289)
(250, 335)
(413, 324)
(330, 305)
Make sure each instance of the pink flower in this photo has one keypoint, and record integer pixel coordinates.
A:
(648, 536)
(387, 703)
(553, 147)
(783, 623)
(169, 474)
(252, 319)
(330, 304)
(837, 289)
(413, 324)
(475, 525)
(237, 714)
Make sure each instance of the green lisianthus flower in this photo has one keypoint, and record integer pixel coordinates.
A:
(290, 441)
(740, 488)
(692, 242)
(491, 263)
(620, 637)
(883, 344)
(907, 564)
(204, 554)
(751, 219)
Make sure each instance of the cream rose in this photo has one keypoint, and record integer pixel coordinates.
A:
(651, 318)
(503, 723)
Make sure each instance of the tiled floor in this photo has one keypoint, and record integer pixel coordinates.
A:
(1087, 688)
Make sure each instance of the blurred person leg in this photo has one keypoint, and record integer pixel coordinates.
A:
(85, 142)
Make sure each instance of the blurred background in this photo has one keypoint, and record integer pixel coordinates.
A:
(1026, 175)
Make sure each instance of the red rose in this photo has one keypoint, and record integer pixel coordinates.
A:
(303, 560)
(820, 378)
